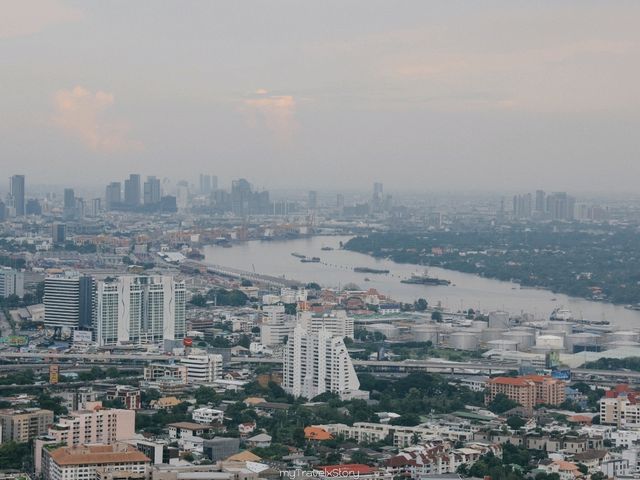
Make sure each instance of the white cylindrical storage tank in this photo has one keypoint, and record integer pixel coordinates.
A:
(623, 336)
(553, 342)
(524, 339)
(479, 325)
(489, 334)
(623, 343)
(504, 345)
(426, 333)
(566, 327)
(463, 340)
(499, 319)
(579, 342)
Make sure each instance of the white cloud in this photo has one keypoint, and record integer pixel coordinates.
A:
(275, 112)
(26, 17)
(83, 114)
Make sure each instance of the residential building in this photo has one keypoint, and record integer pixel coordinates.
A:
(528, 390)
(207, 415)
(202, 368)
(11, 282)
(188, 429)
(113, 195)
(16, 194)
(620, 407)
(132, 190)
(90, 462)
(152, 191)
(58, 233)
(96, 425)
(219, 448)
(24, 424)
(337, 322)
(140, 309)
(159, 371)
(129, 396)
(276, 326)
(318, 363)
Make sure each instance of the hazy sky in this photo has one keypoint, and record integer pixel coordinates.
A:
(428, 94)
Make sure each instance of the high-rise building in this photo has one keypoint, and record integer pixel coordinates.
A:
(540, 203)
(202, 368)
(276, 326)
(69, 203)
(240, 195)
(113, 195)
(69, 301)
(23, 425)
(94, 425)
(312, 200)
(205, 184)
(58, 233)
(132, 190)
(11, 282)
(377, 198)
(340, 201)
(33, 207)
(214, 183)
(3, 211)
(140, 309)
(560, 206)
(522, 206)
(152, 192)
(528, 390)
(318, 363)
(17, 192)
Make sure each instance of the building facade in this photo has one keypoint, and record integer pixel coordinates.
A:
(24, 425)
(11, 282)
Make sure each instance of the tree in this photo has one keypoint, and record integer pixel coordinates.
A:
(436, 316)
(313, 286)
(501, 403)
(198, 300)
(246, 283)
(582, 468)
(421, 305)
(407, 420)
(515, 422)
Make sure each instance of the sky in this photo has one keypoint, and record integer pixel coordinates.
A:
(424, 95)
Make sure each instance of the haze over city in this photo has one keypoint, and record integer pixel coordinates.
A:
(443, 95)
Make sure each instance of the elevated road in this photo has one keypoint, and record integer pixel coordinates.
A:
(243, 274)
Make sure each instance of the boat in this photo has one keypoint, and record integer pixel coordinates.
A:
(298, 255)
(425, 279)
(367, 279)
(561, 315)
(370, 270)
(326, 249)
(310, 260)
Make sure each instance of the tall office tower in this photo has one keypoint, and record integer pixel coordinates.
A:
(377, 197)
(205, 184)
(152, 191)
(58, 233)
(312, 200)
(113, 196)
(33, 207)
(132, 190)
(140, 309)
(3, 211)
(540, 204)
(214, 183)
(69, 203)
(17, 195)
(340, 201)
(182, 197)
(240, 196)
(11, 282)
(315, 363)
(96, 207)
(69, 301)
(522, 206)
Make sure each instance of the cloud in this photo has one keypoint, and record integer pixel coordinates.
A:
(275, 112)
(83, 114)
(26, 17)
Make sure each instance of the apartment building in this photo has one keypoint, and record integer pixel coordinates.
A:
(160, 371)
(22, 425)
(98, 425)
(207, 416)
(202, 368)
(528, 390)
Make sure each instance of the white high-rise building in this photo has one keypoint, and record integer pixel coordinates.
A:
(140, 309)
(276, 326)
(202, 368)
(337, 322)
(11, 282)
(69, 301)
(315, 363)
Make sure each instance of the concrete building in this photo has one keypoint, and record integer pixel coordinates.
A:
(92, 462)
(24, 424)
(16, 195)
(140, 309)
(528, 390)
(129, 396)
(97, 425)
(219, 448)
(318, 363)
(207, 415)
(11, 282)
(620, 407)
(69, 301)
(275, 326)
(204, 368)
(132, 190)
(159, 371)
(338, 323)
(152, 191)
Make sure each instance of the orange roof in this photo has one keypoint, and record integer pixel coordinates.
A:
(317, 433)
(517, 381)
(564, 465)
(98, 454)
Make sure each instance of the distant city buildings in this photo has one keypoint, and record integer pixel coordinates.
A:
(11, 282)
(17, 195)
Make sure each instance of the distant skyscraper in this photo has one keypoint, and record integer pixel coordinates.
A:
(340, 201)
(69, 203)
(58, 233)
(240, 195)
(522, 206)
(140, 309)
(561, 206)
(214, 182)
(96, 206)
(205, 184)
(312, 201)
(377, 197)
(540, 204)
(33, 207)
(113, 196)
(17, 195)
(152, 191)
(3, 211)
(132, 190)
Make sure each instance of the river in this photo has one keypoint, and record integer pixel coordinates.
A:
(466, 290)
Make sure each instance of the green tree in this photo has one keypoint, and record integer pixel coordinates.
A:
(421, 305)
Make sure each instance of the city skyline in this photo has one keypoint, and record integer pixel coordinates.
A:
(469, 96)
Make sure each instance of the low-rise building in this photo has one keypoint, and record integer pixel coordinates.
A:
(129, 396)
(207, 415)
(22, 425)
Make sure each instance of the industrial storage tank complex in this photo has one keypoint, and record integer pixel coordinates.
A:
(463, 341)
